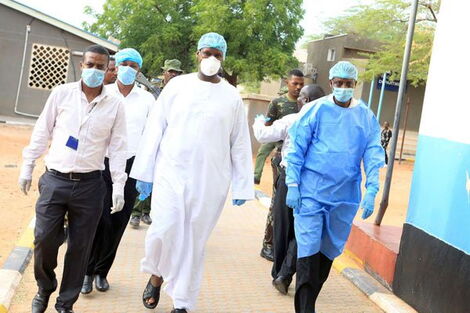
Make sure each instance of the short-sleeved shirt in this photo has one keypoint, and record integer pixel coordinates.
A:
(280, 107)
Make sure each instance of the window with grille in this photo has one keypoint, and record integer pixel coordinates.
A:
(49, 66)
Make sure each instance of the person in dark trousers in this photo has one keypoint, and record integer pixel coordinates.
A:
(82, 121)
(277, 109)
(328, 144)
(285, 246)
(137, 104)
(385, 138)
(141, 210)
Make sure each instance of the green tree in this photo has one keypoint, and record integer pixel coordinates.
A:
(387, 21)
(261, 34)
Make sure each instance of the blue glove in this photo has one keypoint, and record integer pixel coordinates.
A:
(144, 189)
(238, 202)
(293, 197)
(367, 204)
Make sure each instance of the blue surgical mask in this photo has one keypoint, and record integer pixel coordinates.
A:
(92, 77)
(126, 75)
(343, 94)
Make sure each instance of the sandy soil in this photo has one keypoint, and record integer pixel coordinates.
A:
(16, 209)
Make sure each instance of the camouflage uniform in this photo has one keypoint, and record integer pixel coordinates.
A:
(277, 109)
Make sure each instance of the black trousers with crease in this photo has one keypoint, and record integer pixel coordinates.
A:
(312, 272)
(111, 226)
(285, 245)
(82, 202)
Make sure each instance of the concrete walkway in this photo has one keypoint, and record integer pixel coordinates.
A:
(236, 279)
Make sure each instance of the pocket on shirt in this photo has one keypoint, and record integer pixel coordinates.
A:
(101, 126)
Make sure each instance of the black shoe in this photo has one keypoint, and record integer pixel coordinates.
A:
(101, 283)
(267, 253)
(179, 311)
(282, 284)
(135, 221)
(87, 286)
(257, 181)
(146, 219)
(39, 304)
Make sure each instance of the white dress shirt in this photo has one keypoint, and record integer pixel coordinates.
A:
(276, 132)
(137, 104)
(99, 126)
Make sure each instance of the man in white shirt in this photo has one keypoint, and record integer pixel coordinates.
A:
(285, 246)
(82, 121)
(195, 145)
(137, 103)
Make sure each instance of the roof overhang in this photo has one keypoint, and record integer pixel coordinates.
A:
(60, 24)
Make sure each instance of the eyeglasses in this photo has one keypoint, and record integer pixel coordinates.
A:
(343, 83)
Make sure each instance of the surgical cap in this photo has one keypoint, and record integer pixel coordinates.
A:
(128, 54)
(212, 40)
(344, 69)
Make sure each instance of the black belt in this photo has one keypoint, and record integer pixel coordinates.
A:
(76, 176)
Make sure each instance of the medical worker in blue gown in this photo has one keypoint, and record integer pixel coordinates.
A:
(328, 143)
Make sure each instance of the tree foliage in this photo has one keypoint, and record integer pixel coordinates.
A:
(261, 34)
(387, 21)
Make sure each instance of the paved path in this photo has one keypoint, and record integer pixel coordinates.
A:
(236, 279)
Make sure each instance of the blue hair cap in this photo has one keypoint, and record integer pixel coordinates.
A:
(213, 40)
(344, 69)
(128, 54)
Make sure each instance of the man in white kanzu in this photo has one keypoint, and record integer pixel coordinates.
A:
(195, 144)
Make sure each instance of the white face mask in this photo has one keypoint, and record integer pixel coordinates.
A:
(210, 66)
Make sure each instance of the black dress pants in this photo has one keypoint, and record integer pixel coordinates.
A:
(111, 226)
(82, 201)
(312, 273)
(285, 245)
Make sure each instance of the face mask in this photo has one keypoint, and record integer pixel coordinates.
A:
(210, 66)
(126, 75)
(343, 94)
(92, 77)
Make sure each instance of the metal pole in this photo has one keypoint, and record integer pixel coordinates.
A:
(382, 91)
(396, 122)
(371, 92)
(404, 129)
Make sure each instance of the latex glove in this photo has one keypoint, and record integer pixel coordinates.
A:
(367, 204)
(25, 185)
(238, 202)
(261, 118)
(118, 203)
(293, 197)
(144, 189)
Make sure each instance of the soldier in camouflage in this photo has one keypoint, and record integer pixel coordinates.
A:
(278, 108)
(141, 210)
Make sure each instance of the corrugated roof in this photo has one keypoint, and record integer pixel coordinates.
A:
(59, 24)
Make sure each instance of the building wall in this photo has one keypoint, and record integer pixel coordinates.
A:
(12, 37)
(416, 96)
(433, 266)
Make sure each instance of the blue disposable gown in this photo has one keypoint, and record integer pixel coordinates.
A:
(328, 143)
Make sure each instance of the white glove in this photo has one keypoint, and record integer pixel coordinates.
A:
(25, 185)
(118, 203)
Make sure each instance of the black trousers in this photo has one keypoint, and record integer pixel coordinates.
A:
(111, 226)
(312, 273)
(82, 201)
(285, 245)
